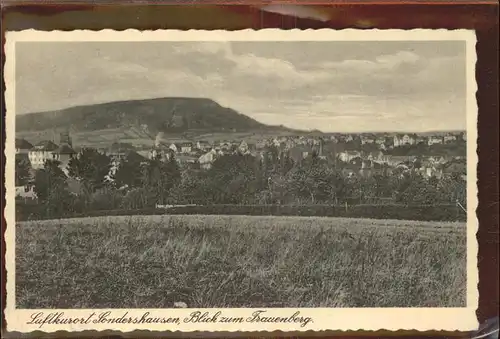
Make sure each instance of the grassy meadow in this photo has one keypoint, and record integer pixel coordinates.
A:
(239, 261)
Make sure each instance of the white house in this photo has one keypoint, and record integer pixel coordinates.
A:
(449, 138)
(243, 147)
(174, 148)
(367, 140)
(186, 147)
(41, 152)
(347, 156)
(26, 192)
(403, 140)
(207, 159)
(434, 140)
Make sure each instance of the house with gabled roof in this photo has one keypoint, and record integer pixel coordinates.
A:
(207, 159)
(175, 148)
(347, 156)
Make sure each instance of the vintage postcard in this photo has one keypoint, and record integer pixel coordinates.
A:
(241, 181)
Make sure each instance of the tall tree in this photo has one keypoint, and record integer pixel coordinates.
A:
(160, 177)
(91, 168)
(236, 179)
(129, 171)
(51, 188)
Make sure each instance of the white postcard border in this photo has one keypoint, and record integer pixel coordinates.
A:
(343, 319)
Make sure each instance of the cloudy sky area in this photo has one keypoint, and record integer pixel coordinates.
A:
(330, 86)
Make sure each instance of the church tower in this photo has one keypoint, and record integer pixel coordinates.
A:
(65, 138)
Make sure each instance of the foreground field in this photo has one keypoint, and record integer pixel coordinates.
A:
(239, 261)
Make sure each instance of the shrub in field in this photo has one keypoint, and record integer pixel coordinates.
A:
(234, 261)
(106, 200)
(138, 198)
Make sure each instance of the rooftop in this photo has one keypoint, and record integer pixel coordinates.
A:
(45, 145)
(23, 144)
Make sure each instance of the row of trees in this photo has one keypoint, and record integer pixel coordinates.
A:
(456, 148)
(233, 179)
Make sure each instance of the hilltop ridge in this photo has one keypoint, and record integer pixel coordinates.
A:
(174, 114)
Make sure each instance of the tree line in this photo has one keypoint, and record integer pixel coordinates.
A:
(236, 179)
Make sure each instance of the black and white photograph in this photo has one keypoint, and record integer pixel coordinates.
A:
(225, 172)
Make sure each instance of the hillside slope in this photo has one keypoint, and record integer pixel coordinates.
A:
(154, 115)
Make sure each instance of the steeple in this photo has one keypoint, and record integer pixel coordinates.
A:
(65, 138)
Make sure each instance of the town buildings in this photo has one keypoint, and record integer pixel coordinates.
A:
(359, 155)
(405, 139)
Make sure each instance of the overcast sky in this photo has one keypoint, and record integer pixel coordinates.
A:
(330, 86)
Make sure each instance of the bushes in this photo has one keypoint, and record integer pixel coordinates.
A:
(138, 198)
(400, 212)
(106, 200)
(28, 210)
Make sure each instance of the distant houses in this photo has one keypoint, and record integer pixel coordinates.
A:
(449, 138)
(433, 140)
(361, 155)
(404, 139)
(368, 140)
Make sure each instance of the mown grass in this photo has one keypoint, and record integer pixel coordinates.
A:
(236, 261)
